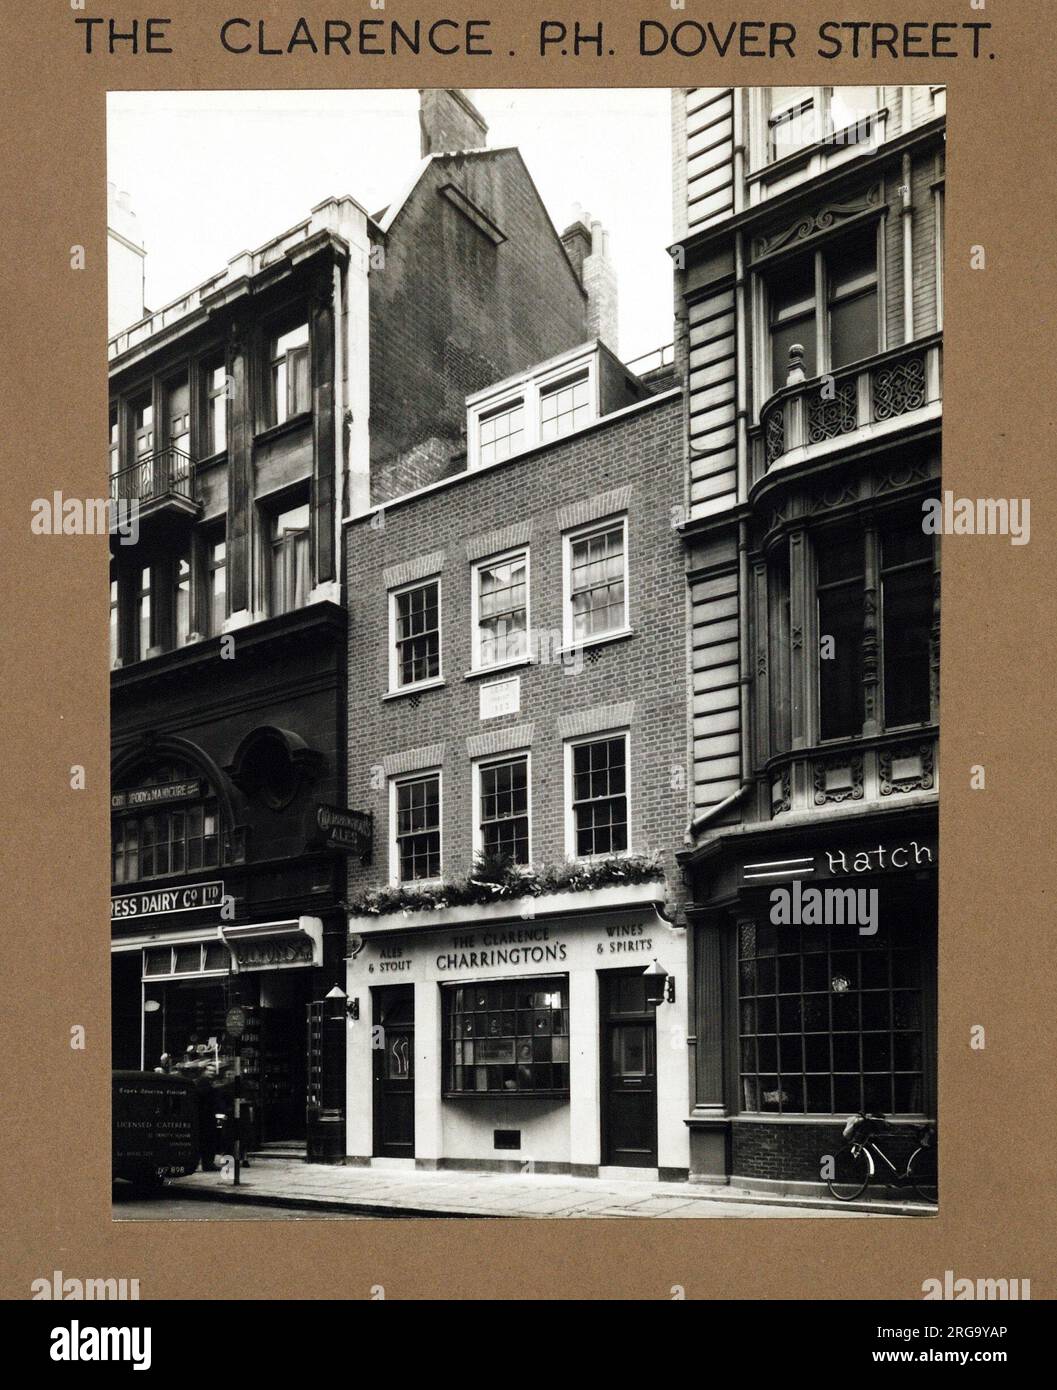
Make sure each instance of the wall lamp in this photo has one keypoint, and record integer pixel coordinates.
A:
(660, 986)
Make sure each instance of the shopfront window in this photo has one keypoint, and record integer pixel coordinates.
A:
(507, 1037)
(831, 1022)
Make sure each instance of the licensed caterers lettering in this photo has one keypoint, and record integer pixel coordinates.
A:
(191, 897)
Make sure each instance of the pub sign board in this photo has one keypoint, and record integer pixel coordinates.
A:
(155, 902)
(342, 828)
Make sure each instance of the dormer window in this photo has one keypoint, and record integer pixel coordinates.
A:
(559, 397)
(566, 406)
(502, 432)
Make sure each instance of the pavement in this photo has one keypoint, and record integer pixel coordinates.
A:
(295, 1185)
(170, 1207)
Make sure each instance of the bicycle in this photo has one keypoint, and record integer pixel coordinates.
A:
(854, 1166)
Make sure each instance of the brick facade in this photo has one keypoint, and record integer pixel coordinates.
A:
(454, 309)
(635, 455)
(793, 1153)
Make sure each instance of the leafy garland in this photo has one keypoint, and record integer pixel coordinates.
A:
(495, 879)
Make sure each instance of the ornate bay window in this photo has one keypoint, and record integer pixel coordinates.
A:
(823, 308)
(847, 659)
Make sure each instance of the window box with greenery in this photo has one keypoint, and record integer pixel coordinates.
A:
(499, 889)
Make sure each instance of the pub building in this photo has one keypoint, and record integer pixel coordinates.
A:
(306, 379)
(809, 275)
(517, 981)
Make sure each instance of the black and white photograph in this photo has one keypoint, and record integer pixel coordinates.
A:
(525, 527)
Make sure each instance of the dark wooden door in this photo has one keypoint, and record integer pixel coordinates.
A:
(394, 1072)
(283, 1079)
(629, 1071)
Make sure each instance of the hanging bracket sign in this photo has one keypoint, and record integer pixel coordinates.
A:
(352, 831)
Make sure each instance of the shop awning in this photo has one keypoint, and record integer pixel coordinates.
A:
(291, 943)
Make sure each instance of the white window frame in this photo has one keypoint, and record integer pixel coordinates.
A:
(490, 760)
(395, 688)
(821, 105)
(504, 407)
(600, 736)
(569, 538)
(476, 664)
(419, 775)
(529, 391)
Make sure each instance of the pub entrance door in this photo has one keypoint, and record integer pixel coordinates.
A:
(629, 1071)
(394, 1072)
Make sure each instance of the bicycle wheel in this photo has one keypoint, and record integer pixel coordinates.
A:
(852, 1171)
(921, 1170)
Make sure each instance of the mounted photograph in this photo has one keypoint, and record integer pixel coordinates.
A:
(525, 652)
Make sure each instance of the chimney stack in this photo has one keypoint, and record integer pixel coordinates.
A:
(586, 243)
(449, 122)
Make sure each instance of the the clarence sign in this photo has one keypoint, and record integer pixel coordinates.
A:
(190, 897)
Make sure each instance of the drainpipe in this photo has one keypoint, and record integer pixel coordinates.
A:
(907, 217)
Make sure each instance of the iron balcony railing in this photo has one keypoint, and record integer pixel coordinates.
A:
(166, 473)
(806, 415)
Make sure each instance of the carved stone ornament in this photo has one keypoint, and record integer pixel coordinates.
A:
(850, 789)
(781, 792)
(812, 223)
(909, 768)
(774, 434)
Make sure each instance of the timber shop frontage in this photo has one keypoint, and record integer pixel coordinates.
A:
(485, 1039)
(813, 971)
